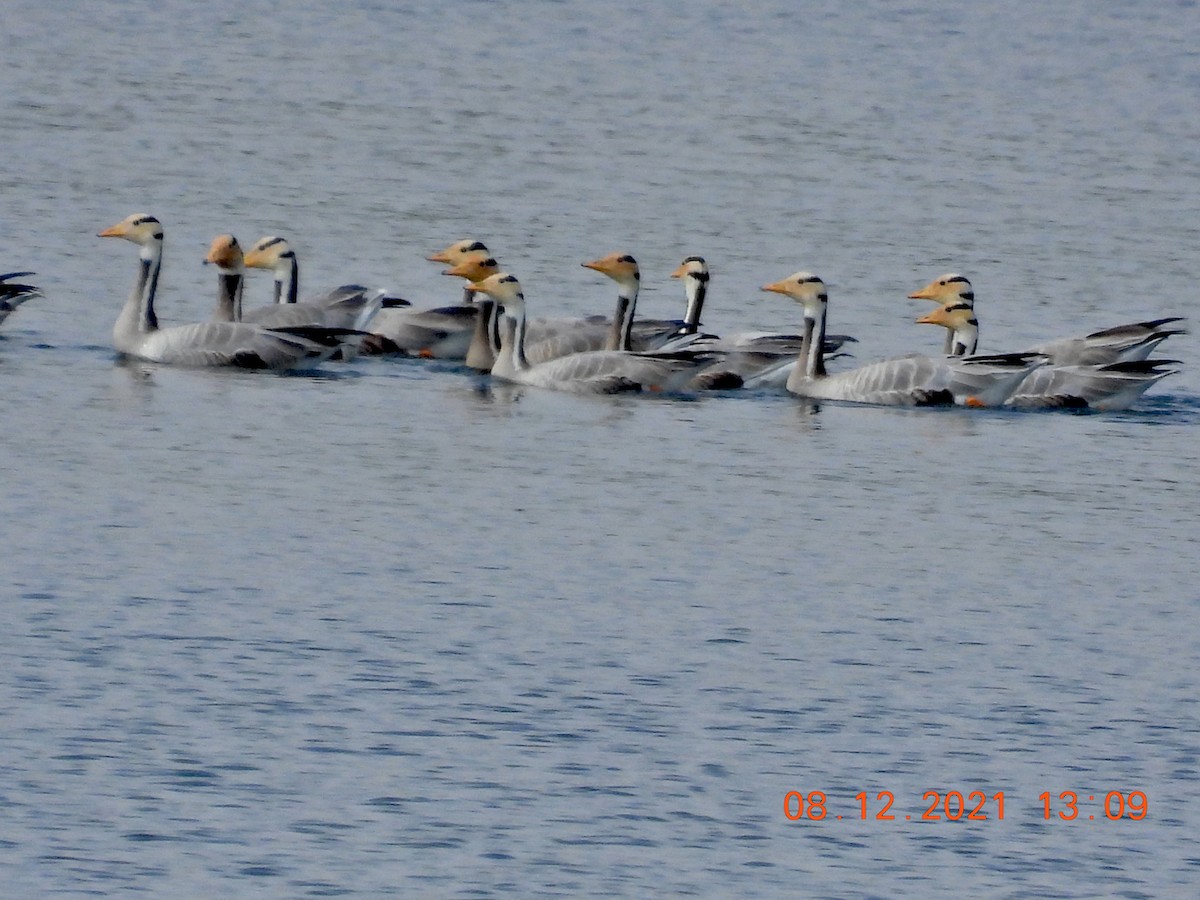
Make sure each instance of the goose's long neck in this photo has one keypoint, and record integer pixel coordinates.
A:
(287, 280)
(137, 316)
(697, 289)
(511, 357)
(229, 297)
(622, 323)
(963, 340)
(812, 346)
(518, 343)
(468, 297)
(816, 341)
(485, 340)
(494, 316)
(803, 370)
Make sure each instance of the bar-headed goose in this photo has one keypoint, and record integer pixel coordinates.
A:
(596, 371)
(442, 332)
(347, 306)
(485, 337)
(694, 274)
(1109, 386)
(546, 338)
(137, 332)
(456, 253)
(626, 331)
(907, 380)
(1121, 343)
(763, 359)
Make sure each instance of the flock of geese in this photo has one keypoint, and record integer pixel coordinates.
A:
(489, 330)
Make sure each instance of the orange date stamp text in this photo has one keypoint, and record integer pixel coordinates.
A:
(966, 806)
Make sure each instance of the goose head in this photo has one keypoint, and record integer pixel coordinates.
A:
(474, 267)
(694, 273)
(947, 289)
(694, 268)
(270, 252)
(504, 289)
(225, 253)
(455, 253)
(959, 320)
(140, 228)
(952, 316)
(620, 267)
(805, 288)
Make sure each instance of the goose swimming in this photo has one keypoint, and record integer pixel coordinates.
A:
(138, 334)
(347, 306)
(625, 330)
(1121, 343)
(442, 332)
(549, 338)
(595, 371)
(763, 359)
(1107, 386)
(908, 380)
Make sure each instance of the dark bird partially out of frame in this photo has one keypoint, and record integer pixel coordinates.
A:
(14, 293)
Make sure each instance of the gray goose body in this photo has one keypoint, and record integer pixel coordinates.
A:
(136, 332)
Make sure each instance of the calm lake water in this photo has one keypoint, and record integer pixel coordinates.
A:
(389, 630)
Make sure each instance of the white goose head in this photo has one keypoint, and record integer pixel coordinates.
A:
(226, 254)
(474, 267)
(810, 292)
(947, 289)
(694, 268)
(274, 253)
(270, 252)
(694, 273)
(504, 289)
(805, 288)
(455, 253)
(959, 319)
(621, 268)
(140, 228)
(138, 315)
